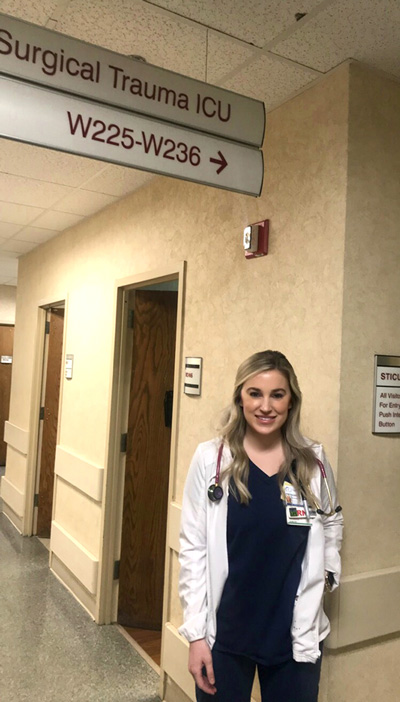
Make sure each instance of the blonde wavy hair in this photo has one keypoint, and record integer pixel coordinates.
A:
(297, 452)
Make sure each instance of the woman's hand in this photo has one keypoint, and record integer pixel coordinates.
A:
(200, 658)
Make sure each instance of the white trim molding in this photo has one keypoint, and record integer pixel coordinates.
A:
(79, 472)
(16, 437)
(175, 651)
(75, 557)
(174, 524)
(364, 613)
(13, 497)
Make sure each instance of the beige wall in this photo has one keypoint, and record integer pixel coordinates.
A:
(305, 298)
(371, 319)
(8, 295)
(368, 465)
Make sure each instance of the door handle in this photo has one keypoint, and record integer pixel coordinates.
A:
(168, 403)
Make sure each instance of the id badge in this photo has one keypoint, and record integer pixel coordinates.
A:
(297, 511)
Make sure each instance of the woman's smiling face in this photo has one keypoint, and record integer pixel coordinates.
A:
(266, 400)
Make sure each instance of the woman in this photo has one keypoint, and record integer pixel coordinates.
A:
(256, 555)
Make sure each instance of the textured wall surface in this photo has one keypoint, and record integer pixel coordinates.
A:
(233, 306)
(325, 295)
(368, 465)
(371, 320)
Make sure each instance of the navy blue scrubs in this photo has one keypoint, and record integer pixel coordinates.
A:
(265, 556)
(255, 613)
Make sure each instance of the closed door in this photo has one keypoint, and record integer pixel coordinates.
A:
(50, 422)
(6, 352)
(141, 576)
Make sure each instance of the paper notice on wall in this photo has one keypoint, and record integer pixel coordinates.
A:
(386, 419)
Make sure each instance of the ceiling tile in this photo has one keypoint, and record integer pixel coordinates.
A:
(36, 235)
(37, 12)
(7, 230)
(8, 270)
(255, 21)
(84, 202)
(8, 256)
(57, 220)
(26, 191)
(224, 54)
(136, 28)
(18, 247)
(359, 29)
(18, 214)
(45, 164)
(270, 80)
(118, 181)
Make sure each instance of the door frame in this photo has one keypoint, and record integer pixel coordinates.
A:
(115, 473)
(9, 325)
(36, 396)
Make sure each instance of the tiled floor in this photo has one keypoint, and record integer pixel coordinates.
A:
(50, 649)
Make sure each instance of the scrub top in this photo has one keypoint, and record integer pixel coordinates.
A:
(265, 556)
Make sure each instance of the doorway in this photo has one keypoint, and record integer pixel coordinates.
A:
(153, 319)
(6, 353)
(48, 422)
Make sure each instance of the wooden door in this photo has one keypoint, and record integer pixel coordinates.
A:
(144, 520)
(50, 421)
(6, 349)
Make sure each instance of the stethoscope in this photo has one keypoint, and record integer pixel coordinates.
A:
(215, 491)
(333, 510)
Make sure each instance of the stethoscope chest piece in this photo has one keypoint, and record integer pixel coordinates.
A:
(215, 492)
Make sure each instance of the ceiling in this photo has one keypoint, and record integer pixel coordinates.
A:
(265, 49)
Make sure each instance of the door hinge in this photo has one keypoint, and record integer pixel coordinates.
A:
(116, 570)
(47, 328)
(124, 443)
(168, 405)
(130, 319)
(36, 500)
(41, 413)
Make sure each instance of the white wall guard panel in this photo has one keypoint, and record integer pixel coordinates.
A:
(13, 497)
(72, 584)
(79, 472)
(174, 524)
(16, 437)
(16, 521)
(175, 651)
(365, 607)
(75, 557)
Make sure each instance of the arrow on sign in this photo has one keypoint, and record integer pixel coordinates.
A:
(221, 161)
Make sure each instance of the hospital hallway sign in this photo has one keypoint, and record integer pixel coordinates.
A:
(386, 419)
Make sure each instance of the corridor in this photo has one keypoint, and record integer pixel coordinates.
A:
(50, 649)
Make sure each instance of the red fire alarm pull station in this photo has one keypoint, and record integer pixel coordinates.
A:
(255, 239)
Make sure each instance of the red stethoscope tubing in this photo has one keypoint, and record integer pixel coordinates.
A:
(323, 474)
(218, 473)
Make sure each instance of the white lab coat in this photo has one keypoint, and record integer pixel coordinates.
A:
(204, 557)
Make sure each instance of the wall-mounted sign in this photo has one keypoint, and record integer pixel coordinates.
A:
(193, 368)
(6, 359)
(69, 365)
(41, 116)
(386, 419)
(50, 58)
